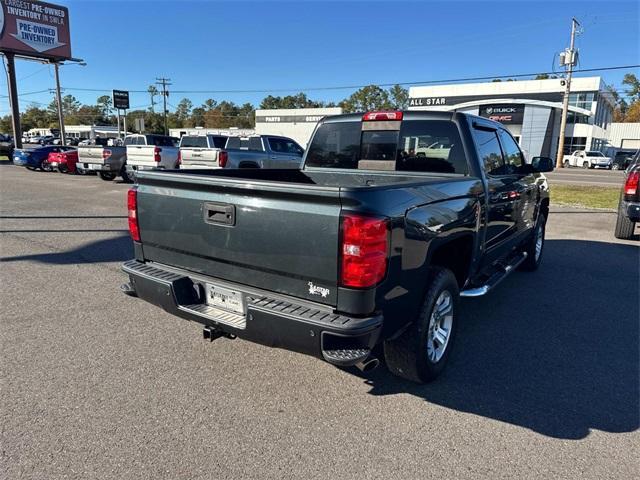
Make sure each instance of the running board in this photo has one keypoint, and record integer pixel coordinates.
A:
(495, 279)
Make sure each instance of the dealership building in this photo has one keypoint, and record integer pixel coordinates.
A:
(530, 109)
(297, 123)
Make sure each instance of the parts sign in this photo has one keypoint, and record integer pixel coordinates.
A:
(35, 29)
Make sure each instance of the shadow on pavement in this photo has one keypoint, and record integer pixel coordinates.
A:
(554, 351)
(117, 249)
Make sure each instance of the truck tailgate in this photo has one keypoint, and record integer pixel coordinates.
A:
(90, 154)
(280, 237)
(141, 155)
(199, 157)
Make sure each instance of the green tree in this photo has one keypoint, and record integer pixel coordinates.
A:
(545, 76)
(299, 100)
(197, 117)
(6, 125)
(399, 97)
(106, 105)
(631, 81)
(183, 110)
(368, 98)
(209, 104)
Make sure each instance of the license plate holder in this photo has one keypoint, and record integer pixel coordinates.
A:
(224, 298)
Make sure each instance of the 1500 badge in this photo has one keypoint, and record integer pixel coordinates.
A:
(316, 290)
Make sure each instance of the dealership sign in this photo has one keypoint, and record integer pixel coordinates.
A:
(121, 99)
(507, 113)
(35, 29)
(427, 101)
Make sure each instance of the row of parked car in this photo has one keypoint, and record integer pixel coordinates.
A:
(148, 151)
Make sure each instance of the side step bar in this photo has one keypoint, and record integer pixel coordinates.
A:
(495, 279)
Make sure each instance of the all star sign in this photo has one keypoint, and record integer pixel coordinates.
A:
(35, 29)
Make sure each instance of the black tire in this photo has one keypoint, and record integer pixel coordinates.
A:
(566, 164)
(46, 167)
(407, 355)
(107, 176)
(125, 176)
(63, 169)
(586, 165)
(532, 262)
(615, 166)
(624, 227)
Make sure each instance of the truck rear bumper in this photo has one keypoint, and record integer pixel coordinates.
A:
(269, 319)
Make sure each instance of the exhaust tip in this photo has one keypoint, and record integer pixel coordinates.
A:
(368, 365)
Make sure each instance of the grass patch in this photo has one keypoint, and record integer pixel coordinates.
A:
(585, 196)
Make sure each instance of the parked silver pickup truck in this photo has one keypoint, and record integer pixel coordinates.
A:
(107, 161)
(202, 151)
(263, 151)
(146, 152)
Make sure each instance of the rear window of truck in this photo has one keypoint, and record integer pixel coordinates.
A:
(159, 141)
(194, 142)
(418, 146)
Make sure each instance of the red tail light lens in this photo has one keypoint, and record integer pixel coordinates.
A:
(631, 185)
(223, 158)
(106, 154)
(132, 207)
(179, 162)
(377, 116)
(364, 250)
(156, 154)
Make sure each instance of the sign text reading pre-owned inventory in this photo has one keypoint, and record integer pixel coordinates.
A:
(35, 29)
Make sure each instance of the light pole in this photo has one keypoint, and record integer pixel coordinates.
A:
(56, 65)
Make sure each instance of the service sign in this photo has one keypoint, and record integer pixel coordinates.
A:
(507, 113)
(121, 99)
(35, 29)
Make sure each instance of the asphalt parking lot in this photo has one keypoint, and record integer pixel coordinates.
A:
(544, 382)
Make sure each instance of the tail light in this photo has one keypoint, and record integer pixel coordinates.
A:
(631, 185)
(179, 162)
(223, 158)
(132, 207)
(365, 243)
(106, 154)
(377, 116)
(156, 154)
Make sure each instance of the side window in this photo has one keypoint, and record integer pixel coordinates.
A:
(233, 143)
(513, 159)
(140, 140)
(255, 144)
(128, 141)
(282, 145)
(489, 151)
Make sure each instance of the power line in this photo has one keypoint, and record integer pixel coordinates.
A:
(347, 87)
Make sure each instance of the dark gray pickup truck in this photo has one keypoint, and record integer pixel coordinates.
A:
(362, 253)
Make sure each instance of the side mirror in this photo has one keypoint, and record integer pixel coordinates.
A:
(542, 164)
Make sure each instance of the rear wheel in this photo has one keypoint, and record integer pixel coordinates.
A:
(586, 165)
(615, 166)
(566, 164)
(46, 167)
(63, 169)
(421, 352)
(107, 176)
(624, 227)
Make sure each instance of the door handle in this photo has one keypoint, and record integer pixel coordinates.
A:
(219, 214)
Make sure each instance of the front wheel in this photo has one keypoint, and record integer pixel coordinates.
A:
(535, 246)
(126, 178)
(107, 176)
(421, 352)
(615, 166)
(586, 165)
(566, 164)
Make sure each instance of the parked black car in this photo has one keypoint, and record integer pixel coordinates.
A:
(629, 204)
(623, 159)
(394, 216)
(6, 145)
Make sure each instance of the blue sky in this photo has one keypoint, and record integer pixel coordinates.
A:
(275, 45)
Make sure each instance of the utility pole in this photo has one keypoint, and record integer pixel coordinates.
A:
(569, 60)
(164, 83)
(13, 99)
(59, 102)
